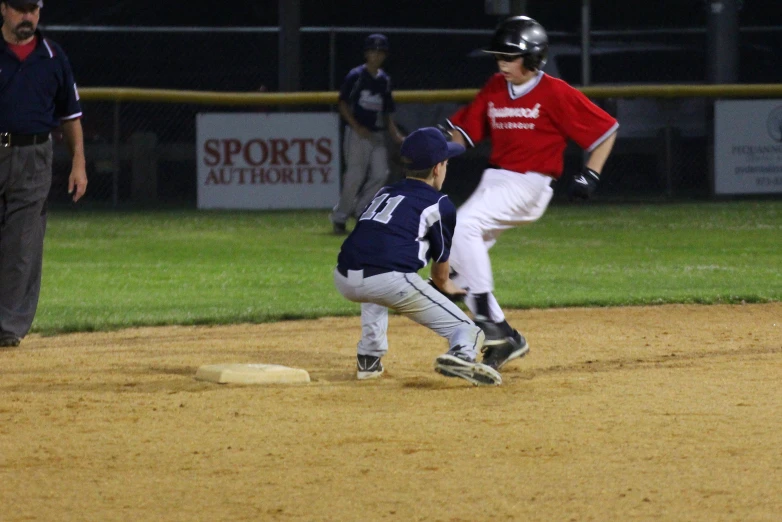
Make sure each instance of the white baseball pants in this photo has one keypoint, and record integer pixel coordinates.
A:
(502, 200)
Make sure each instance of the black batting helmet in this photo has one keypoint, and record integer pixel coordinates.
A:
(521, 36)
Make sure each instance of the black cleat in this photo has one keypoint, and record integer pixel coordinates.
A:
(498, 355)
(9, 340)
(368, 367)
(457, 364)
(340, 229)
(493, 331)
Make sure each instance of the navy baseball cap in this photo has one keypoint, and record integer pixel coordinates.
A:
(376, 41)
(426, 147)
(21, 3)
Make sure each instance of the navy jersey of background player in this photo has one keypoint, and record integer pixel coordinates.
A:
(369, 98)
(405, 226)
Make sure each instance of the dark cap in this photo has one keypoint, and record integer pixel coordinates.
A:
(22, 3)
(377, 42)
(426, 147)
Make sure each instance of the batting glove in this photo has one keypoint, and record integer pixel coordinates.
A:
(446, 129)
(583, 185)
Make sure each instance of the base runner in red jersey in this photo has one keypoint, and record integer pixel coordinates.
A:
(529, 117)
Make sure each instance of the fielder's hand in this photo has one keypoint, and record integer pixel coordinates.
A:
(454, 294)
(583, 185)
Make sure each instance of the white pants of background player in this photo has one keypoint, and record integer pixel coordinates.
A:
(366, 173)
(409, 295)
(502, 200)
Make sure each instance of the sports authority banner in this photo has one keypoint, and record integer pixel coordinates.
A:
(267, 161)
(748, 147)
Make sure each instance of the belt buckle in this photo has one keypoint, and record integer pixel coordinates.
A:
(5, 139)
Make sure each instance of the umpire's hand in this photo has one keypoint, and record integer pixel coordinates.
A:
(78, 181)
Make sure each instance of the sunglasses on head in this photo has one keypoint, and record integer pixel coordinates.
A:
(506, 57)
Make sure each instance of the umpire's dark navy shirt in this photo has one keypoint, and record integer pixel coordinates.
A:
(405, 226)
(368, 97)
(36, 94)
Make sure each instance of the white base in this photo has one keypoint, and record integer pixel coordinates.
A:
(251, 374)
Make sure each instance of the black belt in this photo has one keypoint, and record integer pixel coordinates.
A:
(368, 272)
(12, 139)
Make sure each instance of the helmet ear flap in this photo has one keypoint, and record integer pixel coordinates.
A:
(534, 62)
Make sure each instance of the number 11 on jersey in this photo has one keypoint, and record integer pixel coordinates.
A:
(385, 215)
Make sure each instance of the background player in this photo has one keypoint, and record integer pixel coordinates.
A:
(405, 226)
(529, 116)
(366, 104)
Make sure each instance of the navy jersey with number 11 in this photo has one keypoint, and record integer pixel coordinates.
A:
(405, 226)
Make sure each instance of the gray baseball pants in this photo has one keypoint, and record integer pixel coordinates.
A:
(366, 173)
(409, 295)
(25, 179)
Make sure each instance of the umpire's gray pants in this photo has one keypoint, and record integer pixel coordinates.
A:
(25, 179)
(409, 295)
(367, 171)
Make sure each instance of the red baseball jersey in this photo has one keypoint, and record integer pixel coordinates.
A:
(529, 132)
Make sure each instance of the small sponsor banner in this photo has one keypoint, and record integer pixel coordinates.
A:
(748, 147)
(267, 161)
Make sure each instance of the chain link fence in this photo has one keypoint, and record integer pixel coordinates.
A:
(144, 153)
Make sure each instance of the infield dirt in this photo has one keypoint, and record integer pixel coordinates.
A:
(641, 413)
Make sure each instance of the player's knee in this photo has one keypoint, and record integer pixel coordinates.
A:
(468, 229)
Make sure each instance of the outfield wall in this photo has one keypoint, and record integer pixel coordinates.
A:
(141, 143)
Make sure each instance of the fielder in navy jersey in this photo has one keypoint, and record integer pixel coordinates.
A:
(366, 105)
(406, 225)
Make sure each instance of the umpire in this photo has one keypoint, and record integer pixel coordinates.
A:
(37, 95)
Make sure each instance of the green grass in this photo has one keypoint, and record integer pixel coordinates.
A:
(105, 270)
